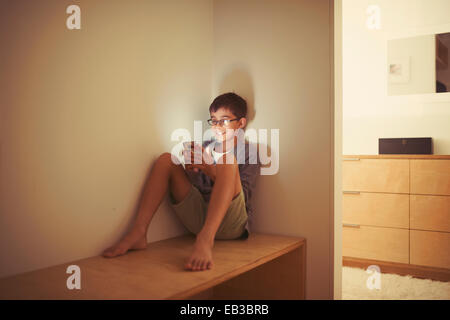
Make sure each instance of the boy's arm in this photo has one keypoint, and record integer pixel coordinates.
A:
(249, 172)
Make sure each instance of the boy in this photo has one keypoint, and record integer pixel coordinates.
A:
(212, 199)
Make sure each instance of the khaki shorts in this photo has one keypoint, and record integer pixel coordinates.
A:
(192, 213)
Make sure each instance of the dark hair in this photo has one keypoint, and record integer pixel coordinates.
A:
(231, 101)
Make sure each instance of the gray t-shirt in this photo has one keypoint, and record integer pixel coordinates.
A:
(249, 169)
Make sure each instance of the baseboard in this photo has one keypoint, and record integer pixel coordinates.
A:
(439, 274)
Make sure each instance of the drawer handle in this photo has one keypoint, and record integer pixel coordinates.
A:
(351, 159)
(352, 192)
(351, 225)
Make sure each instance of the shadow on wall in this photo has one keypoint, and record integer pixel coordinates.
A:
(240, 82)
(269, 197)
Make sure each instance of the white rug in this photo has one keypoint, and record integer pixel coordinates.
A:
(355, 286)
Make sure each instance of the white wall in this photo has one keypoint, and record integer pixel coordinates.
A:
(276, 54)
(84, 113)
(368, 112)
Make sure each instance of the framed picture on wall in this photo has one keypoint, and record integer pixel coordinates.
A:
(398, 70)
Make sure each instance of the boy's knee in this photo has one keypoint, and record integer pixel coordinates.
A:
(166, 157)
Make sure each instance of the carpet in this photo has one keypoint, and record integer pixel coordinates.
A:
(357, 284)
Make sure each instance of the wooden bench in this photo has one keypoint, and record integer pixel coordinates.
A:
(260, 267)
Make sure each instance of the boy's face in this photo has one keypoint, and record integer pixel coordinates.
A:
(221, 131)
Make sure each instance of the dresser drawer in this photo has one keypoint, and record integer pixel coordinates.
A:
(430, 213)
(386, 244)
(430, 248)
(376, 209)
(430, 177)
(376, 175)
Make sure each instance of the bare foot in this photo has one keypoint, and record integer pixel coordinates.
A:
(201, 257)
(132, 241)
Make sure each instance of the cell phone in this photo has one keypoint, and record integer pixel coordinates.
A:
(190, 145)
(187, 145)
(188, 152)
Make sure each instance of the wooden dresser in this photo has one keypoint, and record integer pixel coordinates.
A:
(396, 213)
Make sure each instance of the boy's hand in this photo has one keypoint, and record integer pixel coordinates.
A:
(204, 161)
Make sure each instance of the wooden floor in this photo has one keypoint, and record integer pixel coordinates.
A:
(263, 266)
(402, 269)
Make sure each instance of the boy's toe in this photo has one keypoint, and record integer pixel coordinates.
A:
(107, 253)
(189, 264)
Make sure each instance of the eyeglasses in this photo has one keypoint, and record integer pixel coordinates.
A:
(221, 123)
